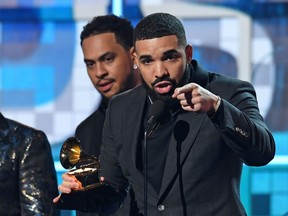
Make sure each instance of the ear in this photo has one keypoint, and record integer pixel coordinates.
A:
(134, 55)
(132, 51)
(189, 52)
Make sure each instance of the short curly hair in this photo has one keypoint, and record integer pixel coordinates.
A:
(121, 27)
(159, 25)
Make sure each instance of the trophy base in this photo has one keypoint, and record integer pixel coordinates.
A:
(87, 176)
(98, 197)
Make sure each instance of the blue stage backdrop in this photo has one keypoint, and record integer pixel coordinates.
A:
(44, 83)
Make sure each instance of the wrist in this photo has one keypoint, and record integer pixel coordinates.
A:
(217, 104)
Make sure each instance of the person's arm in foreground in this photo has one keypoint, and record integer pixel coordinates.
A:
(37, 177)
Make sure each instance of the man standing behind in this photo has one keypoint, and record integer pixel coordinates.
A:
(106, 42)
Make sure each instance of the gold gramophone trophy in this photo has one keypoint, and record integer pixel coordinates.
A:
(86, 171)
(88, 167)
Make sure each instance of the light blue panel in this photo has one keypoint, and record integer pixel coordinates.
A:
(281, 140)
(44, 3)
(280, 182)
(260, 182)
(48, 33)
(64, 3)
(35, 82)
(17, 78)
(1, 82)
(17, 98)
(32, 68)
(44, 85)
(117, 7)
(279, 204)
(245, 189)
(61, 13)
(44, 78)
(26, 3)
(42, 96)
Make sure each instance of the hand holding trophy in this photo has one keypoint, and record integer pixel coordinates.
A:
(88, 167)
(94, 195)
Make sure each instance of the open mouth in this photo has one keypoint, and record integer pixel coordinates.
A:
(105, 86)
(163, 87)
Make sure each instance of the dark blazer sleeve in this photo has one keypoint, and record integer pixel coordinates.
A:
(109, 160)
(241, 124)
(109, 204)
(37, 175)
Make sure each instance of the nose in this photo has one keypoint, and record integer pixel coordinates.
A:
(160, 70)
(100, 71)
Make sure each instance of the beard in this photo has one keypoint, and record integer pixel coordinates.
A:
(173, 103)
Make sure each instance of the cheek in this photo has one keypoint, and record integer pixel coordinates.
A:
(178, 73)
(147, 77)
(120, 72)
(92, 78)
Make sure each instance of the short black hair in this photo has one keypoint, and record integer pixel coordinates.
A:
(121, 27)
(159, 25)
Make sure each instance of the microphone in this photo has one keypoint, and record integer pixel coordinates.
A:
(181, 131)
(157, 114)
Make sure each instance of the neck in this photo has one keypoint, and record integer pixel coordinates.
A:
(134, 79)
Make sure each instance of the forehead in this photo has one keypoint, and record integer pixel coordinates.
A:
(100, 41)
(156, 45)
(97, 45)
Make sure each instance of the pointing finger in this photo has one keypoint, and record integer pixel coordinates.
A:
(186, 88)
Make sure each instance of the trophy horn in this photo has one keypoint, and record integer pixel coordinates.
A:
(71, 153)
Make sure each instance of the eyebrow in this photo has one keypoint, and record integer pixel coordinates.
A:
(88, 60)
(145, 57)
(166, 53)
(102, 57)
(169, 52)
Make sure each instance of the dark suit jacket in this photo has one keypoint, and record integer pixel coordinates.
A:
(28, 181)
(89, 132)
(203, 168)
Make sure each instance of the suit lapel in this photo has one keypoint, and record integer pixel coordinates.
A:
(132, 120)
(133, 125)
(186, 129)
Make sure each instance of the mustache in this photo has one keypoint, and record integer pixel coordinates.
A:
(161, 79)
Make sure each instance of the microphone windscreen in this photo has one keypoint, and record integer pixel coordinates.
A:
(181, 131)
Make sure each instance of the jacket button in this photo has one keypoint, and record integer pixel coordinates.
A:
(161, 207)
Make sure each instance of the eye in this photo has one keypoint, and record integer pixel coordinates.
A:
(89, 64)
(146, 61)
(109, 58)
(171, 57)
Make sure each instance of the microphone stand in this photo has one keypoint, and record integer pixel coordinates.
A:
(156, 111)
(145, 173)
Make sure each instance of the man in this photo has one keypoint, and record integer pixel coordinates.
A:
(193, 160)
(106, 42)
(27, 174)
